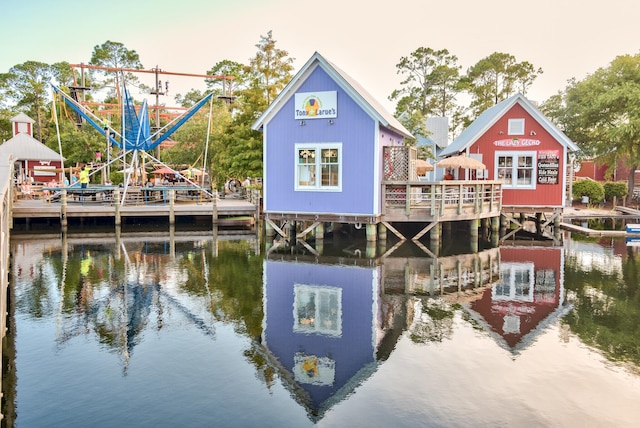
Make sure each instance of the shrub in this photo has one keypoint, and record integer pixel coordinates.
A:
(590, 188)
(615, 189)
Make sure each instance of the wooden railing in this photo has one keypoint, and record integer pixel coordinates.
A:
(441, 200)
(6, 187)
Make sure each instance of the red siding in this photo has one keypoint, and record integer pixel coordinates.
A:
(547, 195)
(531, 313)
(592, 169)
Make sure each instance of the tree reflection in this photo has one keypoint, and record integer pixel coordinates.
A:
(606, 311)
(116, 292)
(434, 322)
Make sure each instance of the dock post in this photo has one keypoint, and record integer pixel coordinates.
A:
(371, 232)
(293, 226)
(269, 231)
(319, 232)
(172, 206)
(214, 241)
(370, 251)
(495, 229)
(256, 200)
(473, 232)
(63, 210)
(434, 238)
(214, 209)
(116, 200)
(382, 232)
(556, 226)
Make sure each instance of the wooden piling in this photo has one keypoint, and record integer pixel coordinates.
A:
(116, 201)
(371, 232)
(382, 232)
(172, 206)
(319, 232)
(63, 210)
(214, 208)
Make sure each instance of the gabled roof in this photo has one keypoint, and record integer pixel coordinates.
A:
(22, 118)
(349, 85)
(24, 147)
(490, 116)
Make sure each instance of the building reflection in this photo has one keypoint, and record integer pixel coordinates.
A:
(322, 326)
(528, 297)
(326, 322)
(330, 322)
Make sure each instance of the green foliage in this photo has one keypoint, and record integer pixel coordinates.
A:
(602, 113)
(5, 125)
(115, 55)
(429, 88)
(26, 87)
(606, 311)
(270, 69)
(617, 189)
(431, 83)
(590, 188)
(497, 77)
(225, 87)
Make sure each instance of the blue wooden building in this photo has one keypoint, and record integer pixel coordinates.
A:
(325, 329)
(323, 149)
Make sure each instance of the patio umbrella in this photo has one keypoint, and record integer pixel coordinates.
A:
(461, 161)
(422, 166)
(196, 172)
(164, 170)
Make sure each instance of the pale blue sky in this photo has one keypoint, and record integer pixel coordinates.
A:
(566, 38)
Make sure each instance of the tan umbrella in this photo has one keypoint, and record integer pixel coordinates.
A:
(461, 161)
(422, 166)
(196, 172)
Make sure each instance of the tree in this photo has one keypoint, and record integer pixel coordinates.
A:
(270, 69)
(266, 75)
(495, 78)
(602, 113)
(26, 86)
(431, 83)
(115, 55)
(227, 87)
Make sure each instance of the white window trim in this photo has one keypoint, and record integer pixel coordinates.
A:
(514, 169)
(317, 327)
(318, 187)
(512, 268)
(516, 126)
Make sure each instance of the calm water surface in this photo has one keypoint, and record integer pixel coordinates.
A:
(203, 330)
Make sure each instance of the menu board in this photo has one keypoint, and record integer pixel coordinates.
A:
(548, 166)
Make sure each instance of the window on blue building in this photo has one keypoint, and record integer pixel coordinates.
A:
(318, 166)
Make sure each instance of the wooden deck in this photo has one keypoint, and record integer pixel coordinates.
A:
(96, 202)
(419, 201)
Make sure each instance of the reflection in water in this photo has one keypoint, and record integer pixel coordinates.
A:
(329, 322)
(322, 327)
(603, 278)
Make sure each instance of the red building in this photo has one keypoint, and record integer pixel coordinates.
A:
(528, 297)
(591, 168)
(521, 147)
(31, 158)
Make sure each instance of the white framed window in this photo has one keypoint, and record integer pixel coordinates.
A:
(516, 283)
(317, 309)
(318, 166)
(516, 127)
(516, 169)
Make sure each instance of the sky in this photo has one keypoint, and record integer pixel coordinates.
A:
(365, 38)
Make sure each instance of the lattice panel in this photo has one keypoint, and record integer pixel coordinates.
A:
(396, 163)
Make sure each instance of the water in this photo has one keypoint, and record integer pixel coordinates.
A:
(196, 330)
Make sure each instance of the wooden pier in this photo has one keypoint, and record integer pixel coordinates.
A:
(119, 205)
